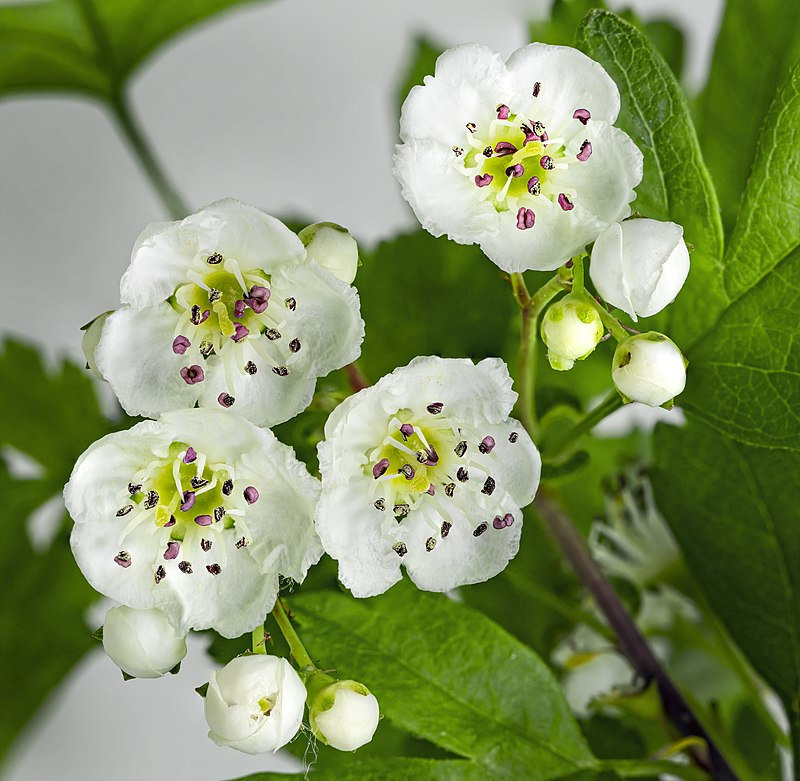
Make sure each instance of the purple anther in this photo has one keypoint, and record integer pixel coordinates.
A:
(203, 520)
(239, 332)
(250, 494)
(225, 400)
(170, 522)
(547, 162)
(565, 203)
(503, 112)
(462, 475)
(192, 374)
(498, 522)
(123, 558)
(190, 456)
(509, 519)
(435, 408)
(172, 551)
(180, 344)
(537, 88)
(482, 180)
(525, 218)
(188, 501)
(238, 308)
(407, 471)
(214, 569)
(380, 468)
(406, 430)
(534, 187)
(582, 115)
(431, 489)
(486, 444)
(432, 456)
(515, 170)
(294, 346)
(185, 567)
(504, 148)
(585, 152)
(258, 299)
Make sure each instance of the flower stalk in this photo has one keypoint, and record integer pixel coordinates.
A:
(301, 656)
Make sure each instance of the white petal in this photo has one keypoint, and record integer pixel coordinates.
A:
(352, 532)
(135, 355)
(607, 270)
(515, 465)
(569, 80)
(603, 184)
(444, 200)
(470, 80)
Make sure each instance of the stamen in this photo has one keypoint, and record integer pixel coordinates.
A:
(488, 486)
(250, 494)
(462, 475)
(431, 490)
(123, 558)
(170, 522)
(225, 399)
(188, 501)
(205, 544)
(515, 170)
(134, 488)
(406, 430)
(408, 471)
(294, 345)
(250, 367)
(258, 299)
(472, 127)
(241, 543)
(450, 489)
(239, 332)
(151, 500)
(585, 152)
(380, 504)
(197, 316)
(206, 348)
(272, 334)
(160, 574)
(185, 567)
(486, 445)
(238, 308)
(565, 203)
(487, 152)
(430, 544)
(203, 520)
(503, 112)
(227, 487)
(219, 513)
(400, 511)
(460, 448)
(445, 530)
(197, 481)
(525, 218)
(281, 371)
(482, 180)
(534, 188)
(192, 374)
(458, 151)
(537, 88)
(214, 295)
(435, 408)
(214, 259)
(547, 162)
(190, 456)
(124, 510)
(504, 148)
(582, 115)
(400, 549)
(214, 569)
(290, 304)
(180, 344)
(513, 437)
(173, 548)
(480, 530)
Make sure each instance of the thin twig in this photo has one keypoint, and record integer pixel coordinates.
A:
(355, 377)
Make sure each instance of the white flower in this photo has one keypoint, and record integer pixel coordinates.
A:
(426, 469)
(519, 156)
(344, 715)
(195, 514)
(649, 368)
(142, 643)
(254, 704)
(640, 265)
(333, 248)
(571, 329)
(225, 308)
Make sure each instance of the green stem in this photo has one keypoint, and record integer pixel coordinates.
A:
(577, 272)
(562, 444)
(147, 159)
(258, 641)
(531, 307)
(292, 638)
(640, 768)
(609, 321)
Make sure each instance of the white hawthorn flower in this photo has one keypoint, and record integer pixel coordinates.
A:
(333, 248)
(196, 514)
(142, 643)
(571, 329)
(254, 704)
(426, 469)
(226, 308)
(640, 265)
(344, 715)
(649, 368)
(520, 156)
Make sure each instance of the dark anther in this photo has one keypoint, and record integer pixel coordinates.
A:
(294, 345)
(400, 549)
(124, 510)
(134, 488)
(290, 304)
(430, 544)
(462, 475)
(185, 567)
(480, 530)
(151, 500)
(214, 259)
(450, 489)
(460, 448)
(214, 569)
(160, 574)
(446, 528)
(227, 487)
(281, 371)
(250, 367)
(380, 504)
(488, 486)
(205, 544)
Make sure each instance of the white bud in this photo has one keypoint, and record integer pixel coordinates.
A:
(640, 265)
(254, 704)
(344, 715)
(142, 643)
(91, 337)
(333, 248)
(571, 329)
(649, 368)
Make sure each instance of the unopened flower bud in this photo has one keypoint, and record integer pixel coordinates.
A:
(91, 337)
(142, 643)
(344, 714)
(254, 704)
(640, 265)
(333, 248)
(649, 368)
(571, 329)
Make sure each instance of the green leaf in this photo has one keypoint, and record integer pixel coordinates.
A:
(44, 596)
(427, 296)
(676, 184)
(390, 769)
(733, 509)
(88, 46)
(756, 46)
(444, 672)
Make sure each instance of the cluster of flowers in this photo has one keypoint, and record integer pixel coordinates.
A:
(190, 518)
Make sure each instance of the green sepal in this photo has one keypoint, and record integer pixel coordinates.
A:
(202, 690)
(126, 677)
(98, 634)
(176, 669)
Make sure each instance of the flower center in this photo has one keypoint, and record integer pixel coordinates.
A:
(188, 497)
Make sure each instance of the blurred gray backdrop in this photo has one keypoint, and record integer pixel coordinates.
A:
(289, 105)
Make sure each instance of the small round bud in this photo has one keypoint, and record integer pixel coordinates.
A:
(649, 368)
(333, 248)
(91, 338)
(571, 329)
(142, 643)
(640, 265)
(344, 715)
(254, 704)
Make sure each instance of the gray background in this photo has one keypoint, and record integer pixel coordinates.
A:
(289, 106)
